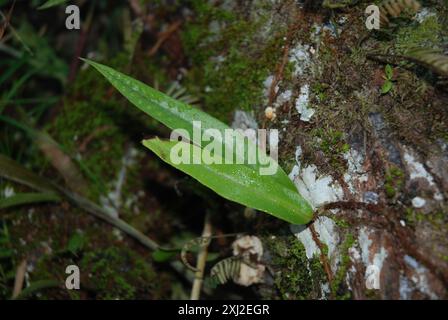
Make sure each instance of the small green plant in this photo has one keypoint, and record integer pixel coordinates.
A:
(274, 194)
(388, 75)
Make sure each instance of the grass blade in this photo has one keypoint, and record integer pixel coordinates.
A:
(51, 3)
(28, 198)
(11, 170)
(37, 286)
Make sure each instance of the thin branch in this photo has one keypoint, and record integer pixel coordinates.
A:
(323, 257)
(7, 20)
(20, 276)
(202, 259)
(163, 36)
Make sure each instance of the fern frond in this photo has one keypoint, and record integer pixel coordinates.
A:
(432, 59)
(226, 269)
(394, 8)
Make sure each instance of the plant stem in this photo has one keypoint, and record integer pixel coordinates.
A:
(202, 258)
(20, 276)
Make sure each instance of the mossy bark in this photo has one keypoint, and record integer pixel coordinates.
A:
(384, 155)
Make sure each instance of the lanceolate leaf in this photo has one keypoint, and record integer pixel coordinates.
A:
(386, 87)
(241, 184)
(51, 3)
(28, 198)
(11, 170)
(389, 72)
(38, 286)
(178, 115)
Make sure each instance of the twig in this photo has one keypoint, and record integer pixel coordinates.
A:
(279, 71)
(20, 276)
(17, 35)
(323, 257)
(202, 258)
(163, 36)
(7, 20)
(385, 58)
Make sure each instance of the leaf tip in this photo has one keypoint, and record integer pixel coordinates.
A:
(150, 143)
(88, 61)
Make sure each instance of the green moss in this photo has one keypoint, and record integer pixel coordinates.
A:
(295, 276)
(332, 143)
(390, 191)
(319, 90)
(437, 219)
(341, 223)
(393, 182)
(118, 274)
(111, 273)
(427, 34)
(372, 294)
(338, 285)
(229, 62)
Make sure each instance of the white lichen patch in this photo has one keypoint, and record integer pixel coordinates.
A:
(379, 258)
(424, 14)
(354, 255)
(371, 256)
(355, 175)
(324, 290)
(418, 171)
(420, 278)
(302, 104)
(267, 86)
(300, 57)
(364, 243)
(326, 232)
(405, 288)
(283, 97)
(304, 235)
(316, 189)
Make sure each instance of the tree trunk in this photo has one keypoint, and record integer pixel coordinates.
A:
(373, 162)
